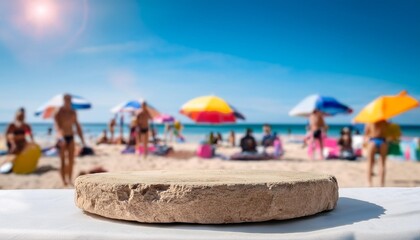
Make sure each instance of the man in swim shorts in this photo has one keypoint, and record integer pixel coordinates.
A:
(142, 127)
(376, 143)
(316, 127)
(65, 121)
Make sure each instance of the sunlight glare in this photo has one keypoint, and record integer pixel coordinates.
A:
(41, 12)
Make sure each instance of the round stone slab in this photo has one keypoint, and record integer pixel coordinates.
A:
(206, 196)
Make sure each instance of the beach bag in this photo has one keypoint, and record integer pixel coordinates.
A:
(205, 151)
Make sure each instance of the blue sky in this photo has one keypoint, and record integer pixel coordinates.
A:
(261, 56)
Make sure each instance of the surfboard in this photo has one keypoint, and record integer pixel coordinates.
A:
(26, 162)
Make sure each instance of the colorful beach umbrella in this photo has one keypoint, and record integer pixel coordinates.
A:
(48, 109)
(329, 106)
(209, 109)
(164, 118)
(132, 106)
(386, 107)
(237, 114)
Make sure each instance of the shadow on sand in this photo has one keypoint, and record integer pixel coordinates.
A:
(347, 212)
(44, 169)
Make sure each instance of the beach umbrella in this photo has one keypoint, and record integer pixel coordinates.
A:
(329, 106)
(386, 107)
(209, 109)
(48, 109)
(237, 114)
(164, 118)
(132, 106)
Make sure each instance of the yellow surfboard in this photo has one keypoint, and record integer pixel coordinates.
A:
(26, 162)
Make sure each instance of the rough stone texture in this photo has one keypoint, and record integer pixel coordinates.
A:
(206, 196)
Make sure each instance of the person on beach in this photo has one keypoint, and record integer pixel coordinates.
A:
(268, 137)
(317, 127)
(375, 139)
(345, 143)
(219, 138)
(232, 138)
(111, 128)
(65, 120)
(248, 142)
(142, 127)
(16, 133)
(212, 139)
(103, 138)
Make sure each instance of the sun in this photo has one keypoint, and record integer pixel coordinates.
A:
(41, 12)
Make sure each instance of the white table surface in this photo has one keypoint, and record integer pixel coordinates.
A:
(362, 213)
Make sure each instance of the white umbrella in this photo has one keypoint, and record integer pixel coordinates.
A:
(133, 106)
(47, 110)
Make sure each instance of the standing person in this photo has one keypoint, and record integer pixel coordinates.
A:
(16, 133)
(65, 121)
(212, 139)
(111, 128)
(133, 131)
(317, 127)
(142, 123)
(232, 138)
(219, 138)
(375, 134)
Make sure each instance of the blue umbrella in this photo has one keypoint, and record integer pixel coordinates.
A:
(329, 106)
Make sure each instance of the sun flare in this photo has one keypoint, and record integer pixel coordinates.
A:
(41, 12)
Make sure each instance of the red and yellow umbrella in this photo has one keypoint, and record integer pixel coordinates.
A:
(209, 109)
(386, 107)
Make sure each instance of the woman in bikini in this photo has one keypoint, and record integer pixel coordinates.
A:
(376, 143)
(16, 133)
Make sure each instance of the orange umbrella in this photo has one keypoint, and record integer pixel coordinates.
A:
(386, 107)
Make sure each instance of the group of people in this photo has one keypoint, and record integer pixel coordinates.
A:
(376, 141)
(67, 126)
(65, 120)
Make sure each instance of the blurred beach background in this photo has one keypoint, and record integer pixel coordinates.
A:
(261, 57)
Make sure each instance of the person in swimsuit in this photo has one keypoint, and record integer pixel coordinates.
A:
(16, 133)
(142, 125)
(111, 128)
(375, 142)
(65, 120)
(317, 126)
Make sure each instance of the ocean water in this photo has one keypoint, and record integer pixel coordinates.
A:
(197, 132)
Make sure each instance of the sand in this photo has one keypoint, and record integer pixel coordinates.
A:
(348, 173)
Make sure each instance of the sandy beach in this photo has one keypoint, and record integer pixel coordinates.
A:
(348, 173)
